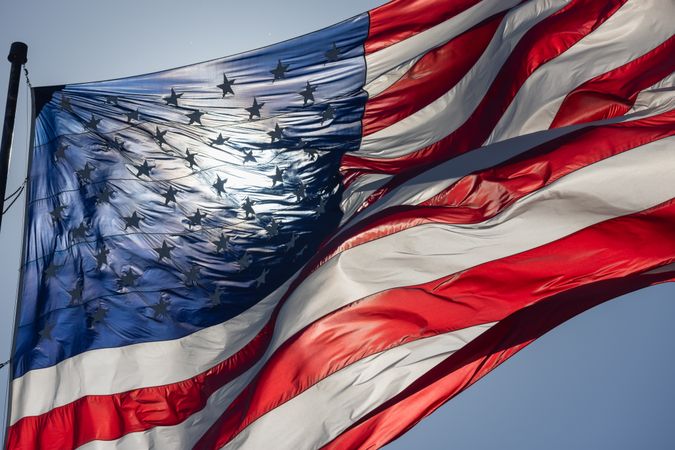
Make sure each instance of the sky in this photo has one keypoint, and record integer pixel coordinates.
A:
(603, 380)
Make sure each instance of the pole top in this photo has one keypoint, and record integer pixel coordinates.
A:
(18, 53)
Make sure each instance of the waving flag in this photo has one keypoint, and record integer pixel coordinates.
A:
(317, 243)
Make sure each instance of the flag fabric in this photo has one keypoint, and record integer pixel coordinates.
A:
(317, 243)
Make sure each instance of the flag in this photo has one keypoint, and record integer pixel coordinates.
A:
(317, 243)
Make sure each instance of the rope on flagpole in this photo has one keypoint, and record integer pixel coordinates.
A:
(17, 190)
(12, 202)
(25, 72)
(16, 194)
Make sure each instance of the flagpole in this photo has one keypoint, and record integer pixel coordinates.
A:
(18, 55)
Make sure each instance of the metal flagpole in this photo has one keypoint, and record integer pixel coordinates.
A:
(18, 55)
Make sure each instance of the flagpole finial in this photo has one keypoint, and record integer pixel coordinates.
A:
(18, 53)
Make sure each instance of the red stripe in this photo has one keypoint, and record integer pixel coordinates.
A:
(478, 358)
(482, 195)
(458, 301)
(613, 93)
(109, 417)
(545, 41)
(401, 19)
(432, 76)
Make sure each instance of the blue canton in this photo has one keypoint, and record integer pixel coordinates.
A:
(166, 203)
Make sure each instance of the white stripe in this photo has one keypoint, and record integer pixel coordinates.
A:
(623, 184)
(636, 28)
(655, 95)
(438, 119)
(326, 409)
(359, 190)
(387, 79)
(392, 56)
(186, 434)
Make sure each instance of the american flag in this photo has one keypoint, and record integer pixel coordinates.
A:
(316, 243)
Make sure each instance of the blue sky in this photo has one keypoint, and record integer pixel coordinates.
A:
(603, 380)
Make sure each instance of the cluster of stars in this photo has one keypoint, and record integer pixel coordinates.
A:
(143, 171)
